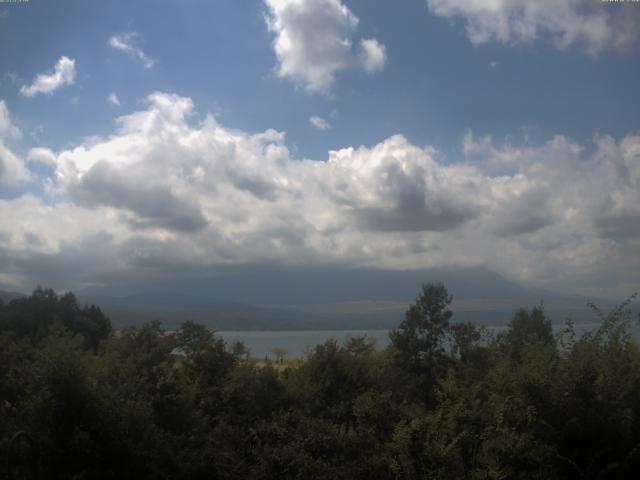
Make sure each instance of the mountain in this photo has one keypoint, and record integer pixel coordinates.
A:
(316, 299)
(6, 297)
(174, 308)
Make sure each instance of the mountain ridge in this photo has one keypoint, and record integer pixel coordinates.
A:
(317, 299)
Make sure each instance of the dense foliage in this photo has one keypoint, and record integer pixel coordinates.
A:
(444, 400)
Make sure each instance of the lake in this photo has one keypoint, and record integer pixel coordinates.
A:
(260, 343)
(297, 342)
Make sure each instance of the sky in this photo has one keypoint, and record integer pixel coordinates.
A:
(156, 139)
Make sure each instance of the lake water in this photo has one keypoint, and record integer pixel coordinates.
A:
(261, 343)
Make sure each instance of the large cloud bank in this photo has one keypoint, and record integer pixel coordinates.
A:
(170, 191)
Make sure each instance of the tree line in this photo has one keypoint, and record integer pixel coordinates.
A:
(445, 400)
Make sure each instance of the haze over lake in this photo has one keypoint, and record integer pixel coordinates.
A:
(300, 343)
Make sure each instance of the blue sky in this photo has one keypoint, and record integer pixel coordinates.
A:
(435, 87)
(471, 115)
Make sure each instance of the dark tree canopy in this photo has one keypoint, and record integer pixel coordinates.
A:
(527, 326)
(426, 323)
(419, 343)
(36, 316)
(444, 401)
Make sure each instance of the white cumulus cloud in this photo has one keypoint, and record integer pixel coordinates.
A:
(113, 99)
(12, 169)
(163, 191)
(63, 74)
(596, 26)
(126, 42)
(6, 124)
(42, 156)
(319, 123)
(314, 41)
(373, 55)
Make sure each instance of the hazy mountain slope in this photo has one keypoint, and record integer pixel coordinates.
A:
(6, 296)
(328, 299)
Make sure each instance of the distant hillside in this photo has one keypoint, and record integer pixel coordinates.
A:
(328, 299)
(8, 296)
(319, 299)
(173, 309)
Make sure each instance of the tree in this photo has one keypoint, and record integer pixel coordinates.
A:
(418, 343)
(279, 353)
(419, 337)
(207, 362)
(465, 337)
(194, 338)
(527, 327)
(44, 311)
